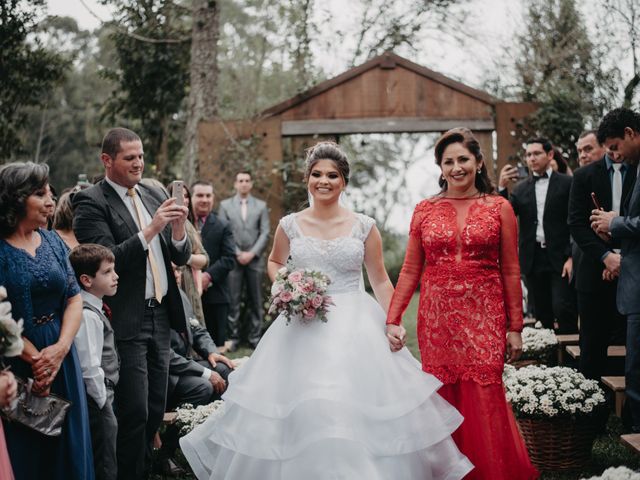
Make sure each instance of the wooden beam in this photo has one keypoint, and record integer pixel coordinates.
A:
(380, 125)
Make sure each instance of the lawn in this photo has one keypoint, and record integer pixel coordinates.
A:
(607, 450)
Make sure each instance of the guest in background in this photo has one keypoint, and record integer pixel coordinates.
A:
(63, 220)
(42, 289)
(219, 244)
(8, 387)
(249, 219)
(191, 273)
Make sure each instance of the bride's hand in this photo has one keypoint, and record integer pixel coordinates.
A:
(397, 337)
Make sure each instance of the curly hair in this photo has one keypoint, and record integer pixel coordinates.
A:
(614, 123)
(464, 136)
(327, 151)
(18, 181)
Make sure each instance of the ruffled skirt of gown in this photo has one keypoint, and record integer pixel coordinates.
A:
(330, 401)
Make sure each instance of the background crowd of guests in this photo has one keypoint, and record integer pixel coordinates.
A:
(173, 274)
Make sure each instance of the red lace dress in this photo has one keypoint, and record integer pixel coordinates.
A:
(464, 253)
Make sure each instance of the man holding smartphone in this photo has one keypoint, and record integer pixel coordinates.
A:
(619, 132)
(605, 184)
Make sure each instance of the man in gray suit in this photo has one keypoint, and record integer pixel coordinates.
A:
(619, 132)
(249, 220)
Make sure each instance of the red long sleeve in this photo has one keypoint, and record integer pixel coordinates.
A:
(510, 268)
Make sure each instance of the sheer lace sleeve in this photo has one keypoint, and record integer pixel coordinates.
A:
(510, 268)
(363, 227)
(411, 270)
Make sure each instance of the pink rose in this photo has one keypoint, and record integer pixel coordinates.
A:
(286, 297)
(307, 287)
(309, 313)
(295, 276)
(316, 301)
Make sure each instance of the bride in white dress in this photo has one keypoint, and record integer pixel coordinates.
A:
(331, 400)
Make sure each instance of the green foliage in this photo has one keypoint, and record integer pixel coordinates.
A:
(28, 71)
(151, 39)
(559, 67)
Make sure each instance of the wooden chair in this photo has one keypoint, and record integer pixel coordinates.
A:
(616, 384)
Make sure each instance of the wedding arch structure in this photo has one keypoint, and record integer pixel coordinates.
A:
(387, 94)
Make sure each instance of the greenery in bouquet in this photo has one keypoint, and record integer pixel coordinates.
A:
(551, 392)
(11, 343)
(617, 473)
(300, 293)
(538, 343)
(189, 417)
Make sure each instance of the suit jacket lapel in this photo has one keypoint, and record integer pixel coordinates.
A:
(627, 185)
(603, 182)
(118, 206)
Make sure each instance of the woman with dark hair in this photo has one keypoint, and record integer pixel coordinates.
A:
(42, 289)
(199, 260)
(329, 400)
(559, 163)
(463, 246)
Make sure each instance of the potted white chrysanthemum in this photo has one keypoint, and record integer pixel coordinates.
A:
(555, 409)
(617, 473)
(538, 344)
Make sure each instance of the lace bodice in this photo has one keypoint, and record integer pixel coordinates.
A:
(465, 253)
(340, 258)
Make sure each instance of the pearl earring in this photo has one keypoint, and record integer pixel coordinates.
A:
(479, 171)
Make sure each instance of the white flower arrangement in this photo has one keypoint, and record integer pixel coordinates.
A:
(551, 392)
(11, 343)
(537, 342)
(617, 473)
(189, 417)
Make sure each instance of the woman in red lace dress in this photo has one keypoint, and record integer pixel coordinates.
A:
(463, 248)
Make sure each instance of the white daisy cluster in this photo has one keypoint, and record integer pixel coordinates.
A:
(617, 473)
(11, 343)
(189, 417)
(540, 391)
(537, 342)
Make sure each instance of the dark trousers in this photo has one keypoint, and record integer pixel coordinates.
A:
(141, 392)
(216, 317)
(632, 369)
(104, 432)
(600, 326)
(196, 390)
(554, 297)
(250, 276)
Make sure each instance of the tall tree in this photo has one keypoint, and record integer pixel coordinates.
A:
(28, 71)
(559, 67)
(203, 75)
(151, 39)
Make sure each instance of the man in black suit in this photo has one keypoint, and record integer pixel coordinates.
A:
(619, 132)
(600, 322)
(146, 232)
(218, 241)
(541, 202)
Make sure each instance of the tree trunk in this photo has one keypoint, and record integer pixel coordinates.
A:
(203, 79)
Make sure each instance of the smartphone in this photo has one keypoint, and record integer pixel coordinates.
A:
(523, 172)
(177, 190)
(595, 201)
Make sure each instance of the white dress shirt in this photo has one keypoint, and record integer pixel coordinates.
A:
(154, 245)
(89, 342)
(541, 188)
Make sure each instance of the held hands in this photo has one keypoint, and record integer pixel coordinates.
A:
(244, 258)
(46, 365)
(397, 337)
(612, 262)
(514, 346)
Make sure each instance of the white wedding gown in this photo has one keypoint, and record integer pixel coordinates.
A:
(330, 400)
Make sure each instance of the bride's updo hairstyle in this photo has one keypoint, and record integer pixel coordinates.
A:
(327, 151)
(465, 137)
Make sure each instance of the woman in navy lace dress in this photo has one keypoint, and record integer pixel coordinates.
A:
(43, 292)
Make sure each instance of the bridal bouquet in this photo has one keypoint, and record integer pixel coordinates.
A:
(300, 293)
(550, 392)
(11, 343)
